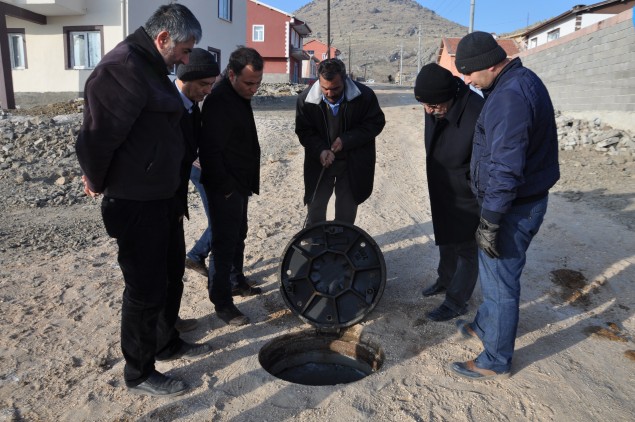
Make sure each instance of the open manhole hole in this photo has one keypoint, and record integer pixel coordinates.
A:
(332, 276)
(317, 359)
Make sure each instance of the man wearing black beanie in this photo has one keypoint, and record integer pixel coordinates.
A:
(451, 110)
(194, 82)
(514, 164)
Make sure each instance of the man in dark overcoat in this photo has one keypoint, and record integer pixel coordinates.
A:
(337, 121)
(229, 153)
(451, 111)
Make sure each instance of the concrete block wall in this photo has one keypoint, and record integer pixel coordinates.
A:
(591, 70)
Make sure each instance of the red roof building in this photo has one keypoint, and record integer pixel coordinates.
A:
(447, 52)
(317, 52)
(278, 37)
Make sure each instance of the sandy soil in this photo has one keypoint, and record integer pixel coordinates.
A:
(59, 313)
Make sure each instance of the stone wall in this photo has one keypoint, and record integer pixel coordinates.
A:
(592, 71)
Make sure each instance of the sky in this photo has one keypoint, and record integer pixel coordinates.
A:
(499, 16)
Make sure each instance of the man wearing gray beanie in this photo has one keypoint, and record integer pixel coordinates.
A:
(514, 164)
(451, 110)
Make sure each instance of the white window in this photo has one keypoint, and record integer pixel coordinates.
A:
(84, 46)
(16, 51)
(310, 52)
(225, 10)
(258, 33)
(324, 56)
(553, 35)
(533, 42)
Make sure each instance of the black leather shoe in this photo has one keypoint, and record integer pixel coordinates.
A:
(443, 313)
(158, 384)
(246, 290)
(185, 325)
(231, 315)
(435, 289)
(197, 266)
(188, 351)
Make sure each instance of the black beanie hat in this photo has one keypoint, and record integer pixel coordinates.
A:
(201, 65)
(477, 51)
(435, 84)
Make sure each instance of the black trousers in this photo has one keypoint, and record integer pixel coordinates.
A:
(229, 225)
(458, 272)
(152, 259)
(335, 179)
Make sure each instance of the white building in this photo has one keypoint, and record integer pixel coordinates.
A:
(578, 17)
(53, 45)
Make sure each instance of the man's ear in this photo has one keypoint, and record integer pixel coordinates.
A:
(162, 40)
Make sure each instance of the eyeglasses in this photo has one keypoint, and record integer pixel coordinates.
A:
(431, 106)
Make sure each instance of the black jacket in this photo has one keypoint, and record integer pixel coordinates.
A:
(191, 128)
(448, 141)
(363, 121)
(130, 145)
(229, 151)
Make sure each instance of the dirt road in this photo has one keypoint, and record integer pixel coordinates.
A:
(59, 313)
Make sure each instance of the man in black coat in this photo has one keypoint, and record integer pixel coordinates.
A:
(451, 111)
(130, 149)
(337, 121)
(229, 153)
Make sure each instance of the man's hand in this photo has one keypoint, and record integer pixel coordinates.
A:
(336, 146)
(327, 157)
(87, 190)
(487, 238)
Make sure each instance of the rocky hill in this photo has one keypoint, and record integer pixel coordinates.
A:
(371, 33)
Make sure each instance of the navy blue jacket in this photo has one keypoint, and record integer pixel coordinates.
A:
(515, 155)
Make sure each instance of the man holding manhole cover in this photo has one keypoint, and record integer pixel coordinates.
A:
(337, 121)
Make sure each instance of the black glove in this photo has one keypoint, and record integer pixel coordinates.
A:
(487, 238)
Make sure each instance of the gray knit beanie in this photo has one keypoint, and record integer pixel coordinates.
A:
(477, 51)
(202, 64)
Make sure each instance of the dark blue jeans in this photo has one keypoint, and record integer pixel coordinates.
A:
(152, 259)
(458, 272)
(201, 249)
(496, 321)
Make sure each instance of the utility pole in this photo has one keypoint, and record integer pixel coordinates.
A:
(471, 17)
(419, 51)
(401, 65)
(350, 69)
(328, 29)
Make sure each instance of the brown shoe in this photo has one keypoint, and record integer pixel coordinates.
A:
(471, 371)
(465, 330)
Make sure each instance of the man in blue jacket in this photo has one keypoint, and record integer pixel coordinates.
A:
(514, 164)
